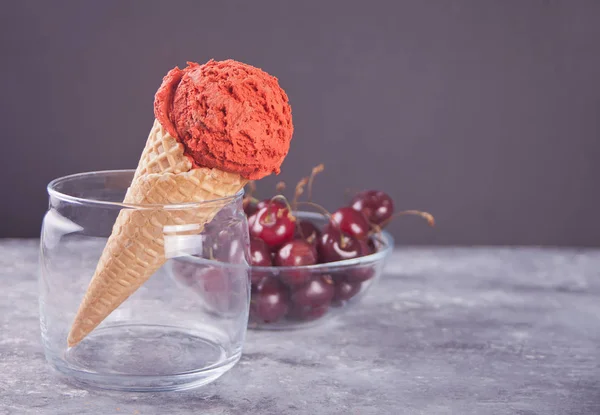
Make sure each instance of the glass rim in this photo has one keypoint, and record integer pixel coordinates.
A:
(386, 238)
(52, 190)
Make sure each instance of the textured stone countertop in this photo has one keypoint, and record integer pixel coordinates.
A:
(446, 331)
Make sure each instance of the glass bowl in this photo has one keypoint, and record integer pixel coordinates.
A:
(164, 336)
(297, 297)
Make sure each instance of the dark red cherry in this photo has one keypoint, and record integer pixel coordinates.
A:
(227, 248)
(318, 292)
(372, 245)
(345, 290)
(260, 256)
(273, 224)
(214, 286)
(295, 253)
(250, 206)
(307, 313)
(352, 222)
(377, 206)
(269, 202)
(269, 301)
(337, 246)
(309, 232)
(364, 273)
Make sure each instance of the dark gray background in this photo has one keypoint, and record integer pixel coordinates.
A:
(486, 113)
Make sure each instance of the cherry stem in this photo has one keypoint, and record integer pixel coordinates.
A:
(375, 228)
(377, 238)
(251, 198)
(279, 214)
(301, 233)
(425, 215)
(316, 170)
(320, 208)
(298, 192)
(326, 213)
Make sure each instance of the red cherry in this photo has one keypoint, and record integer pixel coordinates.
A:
(336, 245)
(372, 246)
(269, 301)
(227, 248)
(363, 272)
(307, 313)
(250, 206)
(376, 205)
(317, 292)
(215, 286)
(345, 290)
(309, 232)
(273, 224)
(295, 253)
(360, 274)
(212, 284)
(269, 202)
(352, 222)
(260, 256)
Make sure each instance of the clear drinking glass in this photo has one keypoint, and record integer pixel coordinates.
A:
(172, 333)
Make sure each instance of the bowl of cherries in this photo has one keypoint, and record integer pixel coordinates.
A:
(307, 266)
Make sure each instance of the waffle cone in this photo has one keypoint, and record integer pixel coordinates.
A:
(135, 248)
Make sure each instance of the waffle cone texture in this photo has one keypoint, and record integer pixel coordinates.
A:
(135, 249)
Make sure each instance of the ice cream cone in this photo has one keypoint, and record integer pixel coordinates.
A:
(135, 249)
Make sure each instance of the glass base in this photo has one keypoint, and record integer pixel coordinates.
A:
(145, 358)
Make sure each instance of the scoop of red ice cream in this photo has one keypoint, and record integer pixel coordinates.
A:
(228, 115)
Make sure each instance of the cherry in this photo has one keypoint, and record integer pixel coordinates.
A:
(227, 248)
(295, 253)
(309, 232)
(307, 313)
(360, 274)
(269, 301)
(250, 206)
(372, 245)
(215, 287)
(336, 245)
(377, 206)
(273, 224)
(218, 290)
(345, 290)
(318, 292)
(260, 256)
(352, 222)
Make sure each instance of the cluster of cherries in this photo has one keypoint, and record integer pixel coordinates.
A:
(279, 239)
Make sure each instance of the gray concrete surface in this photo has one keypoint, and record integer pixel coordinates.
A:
(447, 331)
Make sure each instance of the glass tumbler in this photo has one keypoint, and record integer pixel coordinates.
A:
(177, 331)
